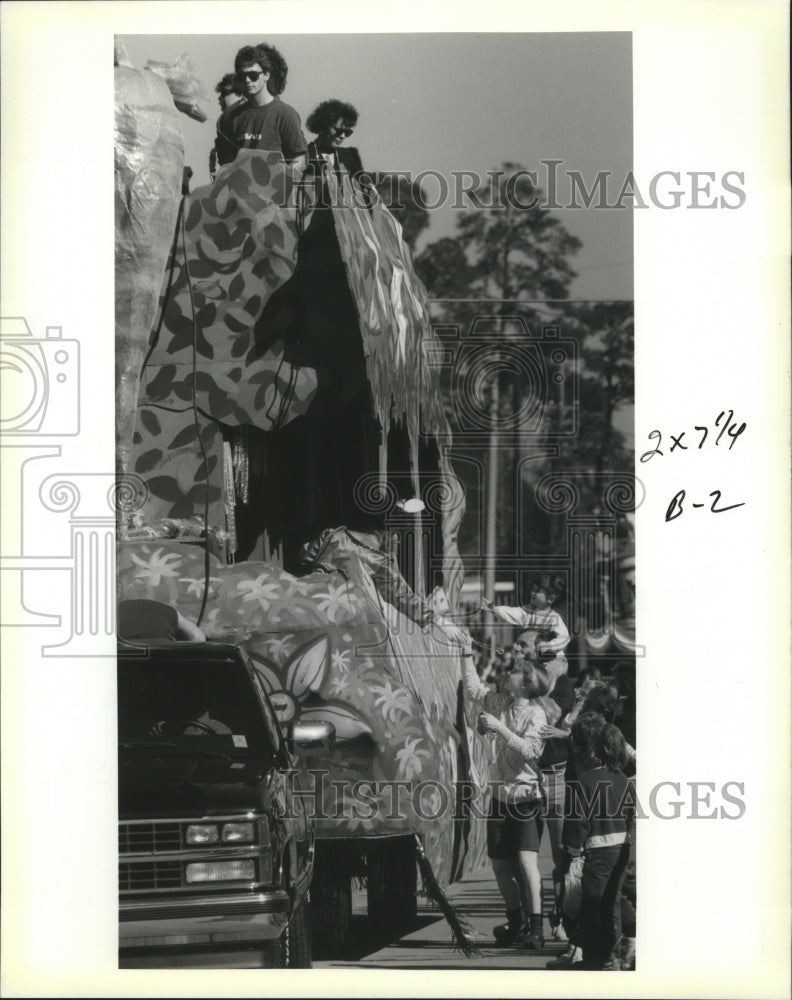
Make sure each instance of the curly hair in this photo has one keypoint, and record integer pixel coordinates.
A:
(553, 586)
(600, 699)
(270, 60)
(328, 112)
(584, 733)
(610, 747)
(228, 85)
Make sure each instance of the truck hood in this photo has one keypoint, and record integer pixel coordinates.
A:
(150, 787)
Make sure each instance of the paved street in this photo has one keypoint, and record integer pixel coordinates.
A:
(429, 946)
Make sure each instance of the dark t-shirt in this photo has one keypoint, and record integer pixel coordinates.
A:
(144, 621)
(275, 126)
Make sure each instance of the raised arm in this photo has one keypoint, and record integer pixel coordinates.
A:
(512, 616)
(475, 688)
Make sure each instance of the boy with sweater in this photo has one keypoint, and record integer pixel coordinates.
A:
(600, 826)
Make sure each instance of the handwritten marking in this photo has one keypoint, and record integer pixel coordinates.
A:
(676, 507)
(728, 427)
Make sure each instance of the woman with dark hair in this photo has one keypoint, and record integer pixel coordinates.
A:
(331, 117)
(262, 120)
(332, 122)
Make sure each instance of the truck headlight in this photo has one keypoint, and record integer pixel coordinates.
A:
(203, 833)
(220, 871)
(237, 833)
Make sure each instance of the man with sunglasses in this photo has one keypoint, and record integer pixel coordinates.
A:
(262, 120)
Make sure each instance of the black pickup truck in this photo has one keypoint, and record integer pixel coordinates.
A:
(215, 844)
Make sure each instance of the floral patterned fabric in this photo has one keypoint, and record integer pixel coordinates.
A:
(326, 648)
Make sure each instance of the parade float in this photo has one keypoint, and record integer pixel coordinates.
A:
(271, 388)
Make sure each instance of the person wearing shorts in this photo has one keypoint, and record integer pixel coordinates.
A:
(515, 717)
(513, 827)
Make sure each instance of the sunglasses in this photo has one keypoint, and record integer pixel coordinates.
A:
(249, 74)
(343, 131)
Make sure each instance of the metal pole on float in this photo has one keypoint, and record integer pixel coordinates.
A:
(491, 511)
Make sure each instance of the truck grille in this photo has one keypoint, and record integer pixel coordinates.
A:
(150, 838)
(151, 875)
(153, 855)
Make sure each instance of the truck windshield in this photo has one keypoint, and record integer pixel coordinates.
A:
(201, 707)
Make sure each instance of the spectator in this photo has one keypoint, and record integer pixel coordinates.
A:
(581, 743)
(514, 825)
(600, 699)
(526, 647)
(587, 678)
(600, 825)
(553, 763)
(624, 676)
(539, 614)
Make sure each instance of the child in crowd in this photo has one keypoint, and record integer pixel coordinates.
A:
(553, 764)
(539, 614)
(588, 678)
(600, 699)
(581, 739)
(514, 824)
(600, 826)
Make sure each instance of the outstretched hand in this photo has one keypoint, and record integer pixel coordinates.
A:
(457, 635)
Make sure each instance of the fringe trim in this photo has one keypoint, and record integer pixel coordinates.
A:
(463, 935)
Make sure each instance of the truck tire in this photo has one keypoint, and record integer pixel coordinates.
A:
(331, 899)
(391, 873)
(274, 953)
(297, 937)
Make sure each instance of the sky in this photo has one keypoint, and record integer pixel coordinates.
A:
(458, 102)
